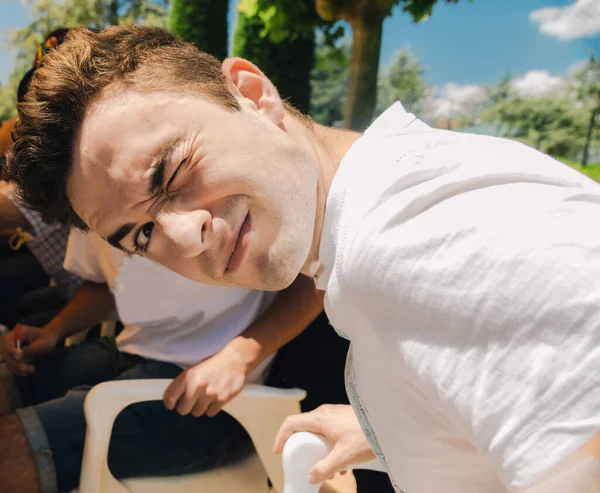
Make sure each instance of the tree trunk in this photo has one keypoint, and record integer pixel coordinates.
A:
(588, 138)
(362, 90)
(113, 13)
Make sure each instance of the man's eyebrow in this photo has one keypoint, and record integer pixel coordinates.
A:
(159, 165)
(115, 238)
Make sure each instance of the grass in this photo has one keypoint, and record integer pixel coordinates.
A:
(591, 170)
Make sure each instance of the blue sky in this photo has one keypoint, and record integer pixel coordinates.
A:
(468, 43)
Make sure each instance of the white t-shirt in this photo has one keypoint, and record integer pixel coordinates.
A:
(166, 316)
(465, 270)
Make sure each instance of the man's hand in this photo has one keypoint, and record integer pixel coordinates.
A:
(208, 386)
(339, 426)
(35, 342)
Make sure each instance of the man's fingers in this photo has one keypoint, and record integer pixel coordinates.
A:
(190, 399)
(293, 424)
(12, 366)
(173, 393)
(18, 368)
(214, 408)
(336, 461)
(200, 407)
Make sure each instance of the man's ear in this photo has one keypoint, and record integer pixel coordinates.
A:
(250, 86)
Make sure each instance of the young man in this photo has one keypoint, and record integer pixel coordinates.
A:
(464, 269)
(209, 339)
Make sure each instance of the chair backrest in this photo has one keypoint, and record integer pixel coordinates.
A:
(261, 410)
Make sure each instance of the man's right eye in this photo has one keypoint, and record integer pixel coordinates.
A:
(142, 238)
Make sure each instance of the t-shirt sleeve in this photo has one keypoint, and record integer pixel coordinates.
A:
(81, 258)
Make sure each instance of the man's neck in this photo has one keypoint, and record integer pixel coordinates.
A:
(328, 146)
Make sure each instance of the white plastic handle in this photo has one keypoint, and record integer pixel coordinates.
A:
(301, 452)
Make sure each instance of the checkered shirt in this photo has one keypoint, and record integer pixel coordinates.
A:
(49, 245)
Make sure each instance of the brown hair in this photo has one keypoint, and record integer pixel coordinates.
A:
(70, 78)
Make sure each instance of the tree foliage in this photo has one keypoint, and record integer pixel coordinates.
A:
(497, 93)
(48, 15)
(280, 39)
(329, 82)
(202, 23)
(587, 85)
(553, 126)
(403, 80)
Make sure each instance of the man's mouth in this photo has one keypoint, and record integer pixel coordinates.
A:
(240, 246)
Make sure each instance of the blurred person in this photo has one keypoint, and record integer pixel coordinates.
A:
(209, 339)
(35, 250)
(464, 269)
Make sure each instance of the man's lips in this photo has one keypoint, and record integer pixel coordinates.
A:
(239, 246)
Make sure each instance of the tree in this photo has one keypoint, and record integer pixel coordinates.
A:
(366, 18)
(501, 91)
(47, 15)
(551, 125)
(279, 37)
(202, 23)
(329, 82)
(587, 84)
(401, 81)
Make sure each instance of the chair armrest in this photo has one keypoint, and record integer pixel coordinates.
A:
(261, 410)
(301, 452)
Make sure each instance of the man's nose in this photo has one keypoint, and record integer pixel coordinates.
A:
(188, 232)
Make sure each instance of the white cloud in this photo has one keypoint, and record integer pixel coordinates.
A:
(459, 101)
(454, 100)
(538, 83)
(579, 20)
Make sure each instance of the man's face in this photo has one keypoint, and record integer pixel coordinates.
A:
(217, 196)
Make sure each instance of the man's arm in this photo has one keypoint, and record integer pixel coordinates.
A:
(208, 386)
(293, 310)
(90, 305)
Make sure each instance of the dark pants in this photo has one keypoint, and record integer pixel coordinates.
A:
(315, 362)
(147, 439)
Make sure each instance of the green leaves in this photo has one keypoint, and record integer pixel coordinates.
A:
(49, 14)
(403, 81)
(552, 125)
(421, 10)
(329, 82)
(202, 23)
(282, 20)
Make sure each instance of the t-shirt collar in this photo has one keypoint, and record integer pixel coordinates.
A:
(391, 122)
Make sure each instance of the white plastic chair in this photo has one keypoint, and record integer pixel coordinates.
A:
(261, 410)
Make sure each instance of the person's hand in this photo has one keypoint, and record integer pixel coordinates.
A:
(340, 427)
(35, 342)
(208, 386)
